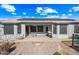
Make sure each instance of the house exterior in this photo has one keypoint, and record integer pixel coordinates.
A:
(59, 28)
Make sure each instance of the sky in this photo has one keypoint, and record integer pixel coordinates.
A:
(67, 11)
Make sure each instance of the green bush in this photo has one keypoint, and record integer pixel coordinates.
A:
(57, 53)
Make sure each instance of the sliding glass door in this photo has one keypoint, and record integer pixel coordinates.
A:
(33, 28)
(40, 28)
(36, 28)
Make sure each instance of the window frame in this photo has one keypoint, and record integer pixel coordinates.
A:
(65, 29)
(9, 30)
(76, 31)
(55, 29)
(19, 28)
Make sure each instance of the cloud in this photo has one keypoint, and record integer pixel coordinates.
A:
(75, 8)
(50, 10)
(70, 10)
(52, 16)
(63, 16)
(69, 14)
(24, 13)
(45, 10)
(43, 14)
(13, 13)
(39, 9)
(9, 8)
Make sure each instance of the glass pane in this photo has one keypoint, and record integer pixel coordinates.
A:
(33, 28)
(8, 29)
(76, 28)
(54, 29)
(40, 28)
(19, 28)
(63, 29)
(76, 39)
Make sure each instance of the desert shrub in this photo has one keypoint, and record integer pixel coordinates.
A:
(57, 53)
(5, 46)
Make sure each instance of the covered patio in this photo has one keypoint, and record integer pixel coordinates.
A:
(37, 29)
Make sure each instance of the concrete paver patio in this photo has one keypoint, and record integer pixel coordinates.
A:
(38, 45)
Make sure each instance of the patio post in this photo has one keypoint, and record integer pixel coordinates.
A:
(1, 29)
(52, 30)
(29, 29)
(72, 40)
(15, 29)
(58, 30)
(23, 29)
(36, 28)
(44, 29)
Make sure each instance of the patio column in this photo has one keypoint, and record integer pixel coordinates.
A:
(70, 29)
(1, 29)
(52, 30)
(44, 29)
(36, 29)
(23, 29)
(58, 30)
(29, 29)
(15, 30)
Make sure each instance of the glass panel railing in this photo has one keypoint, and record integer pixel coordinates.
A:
(76, 39)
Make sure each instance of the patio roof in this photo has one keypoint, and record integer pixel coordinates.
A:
(40, 20)
(51, 19)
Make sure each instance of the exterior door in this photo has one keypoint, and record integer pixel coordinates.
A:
(27, 30)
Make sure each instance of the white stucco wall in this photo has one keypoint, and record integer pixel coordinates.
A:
(8, 36)
(1, 29)
(70, 31)
(15, 29)
(60, 36)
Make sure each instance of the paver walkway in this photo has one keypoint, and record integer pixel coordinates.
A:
(36, 45)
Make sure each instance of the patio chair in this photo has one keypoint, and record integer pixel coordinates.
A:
(49, 34)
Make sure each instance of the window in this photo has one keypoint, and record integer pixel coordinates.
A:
(40, 28)
(33, 28)
(76, 28)
(8, 29)
(54, 29)
(63, 29)
(19, 28)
